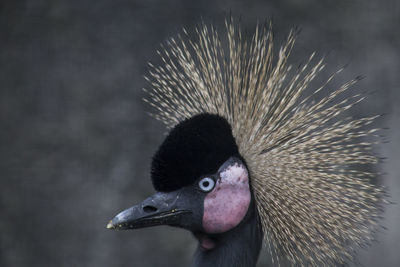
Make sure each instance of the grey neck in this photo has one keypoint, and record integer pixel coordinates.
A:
(239, 247)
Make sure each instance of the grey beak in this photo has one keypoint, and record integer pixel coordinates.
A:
(159, 209)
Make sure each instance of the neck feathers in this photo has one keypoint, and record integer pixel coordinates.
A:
(239, 247)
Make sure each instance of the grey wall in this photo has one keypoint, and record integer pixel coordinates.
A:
(76, 141)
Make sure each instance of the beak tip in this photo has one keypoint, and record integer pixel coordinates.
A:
(110, 225)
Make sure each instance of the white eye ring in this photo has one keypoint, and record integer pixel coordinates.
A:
(206, 184)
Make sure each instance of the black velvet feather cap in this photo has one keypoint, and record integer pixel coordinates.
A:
(193, 148)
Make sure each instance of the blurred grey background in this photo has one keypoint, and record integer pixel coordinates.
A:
(76, 141)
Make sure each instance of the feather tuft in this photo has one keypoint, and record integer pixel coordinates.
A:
(315, 205)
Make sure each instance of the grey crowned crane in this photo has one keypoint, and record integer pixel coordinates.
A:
(250, 156)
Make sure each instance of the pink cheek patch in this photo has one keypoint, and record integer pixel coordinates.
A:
(226, 206)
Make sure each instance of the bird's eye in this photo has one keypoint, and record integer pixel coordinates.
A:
(206, 184)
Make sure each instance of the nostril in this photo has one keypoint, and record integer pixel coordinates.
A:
(148, 209)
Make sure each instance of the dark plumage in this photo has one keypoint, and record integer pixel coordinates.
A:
(273, 163)
(196, 147)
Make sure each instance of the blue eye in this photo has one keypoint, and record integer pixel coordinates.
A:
(206, 184)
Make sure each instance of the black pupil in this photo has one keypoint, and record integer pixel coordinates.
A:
(206, 183)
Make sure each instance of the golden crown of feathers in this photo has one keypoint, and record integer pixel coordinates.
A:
(315, 204)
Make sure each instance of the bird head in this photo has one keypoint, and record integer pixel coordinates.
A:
(272, 151)
(201, 180)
